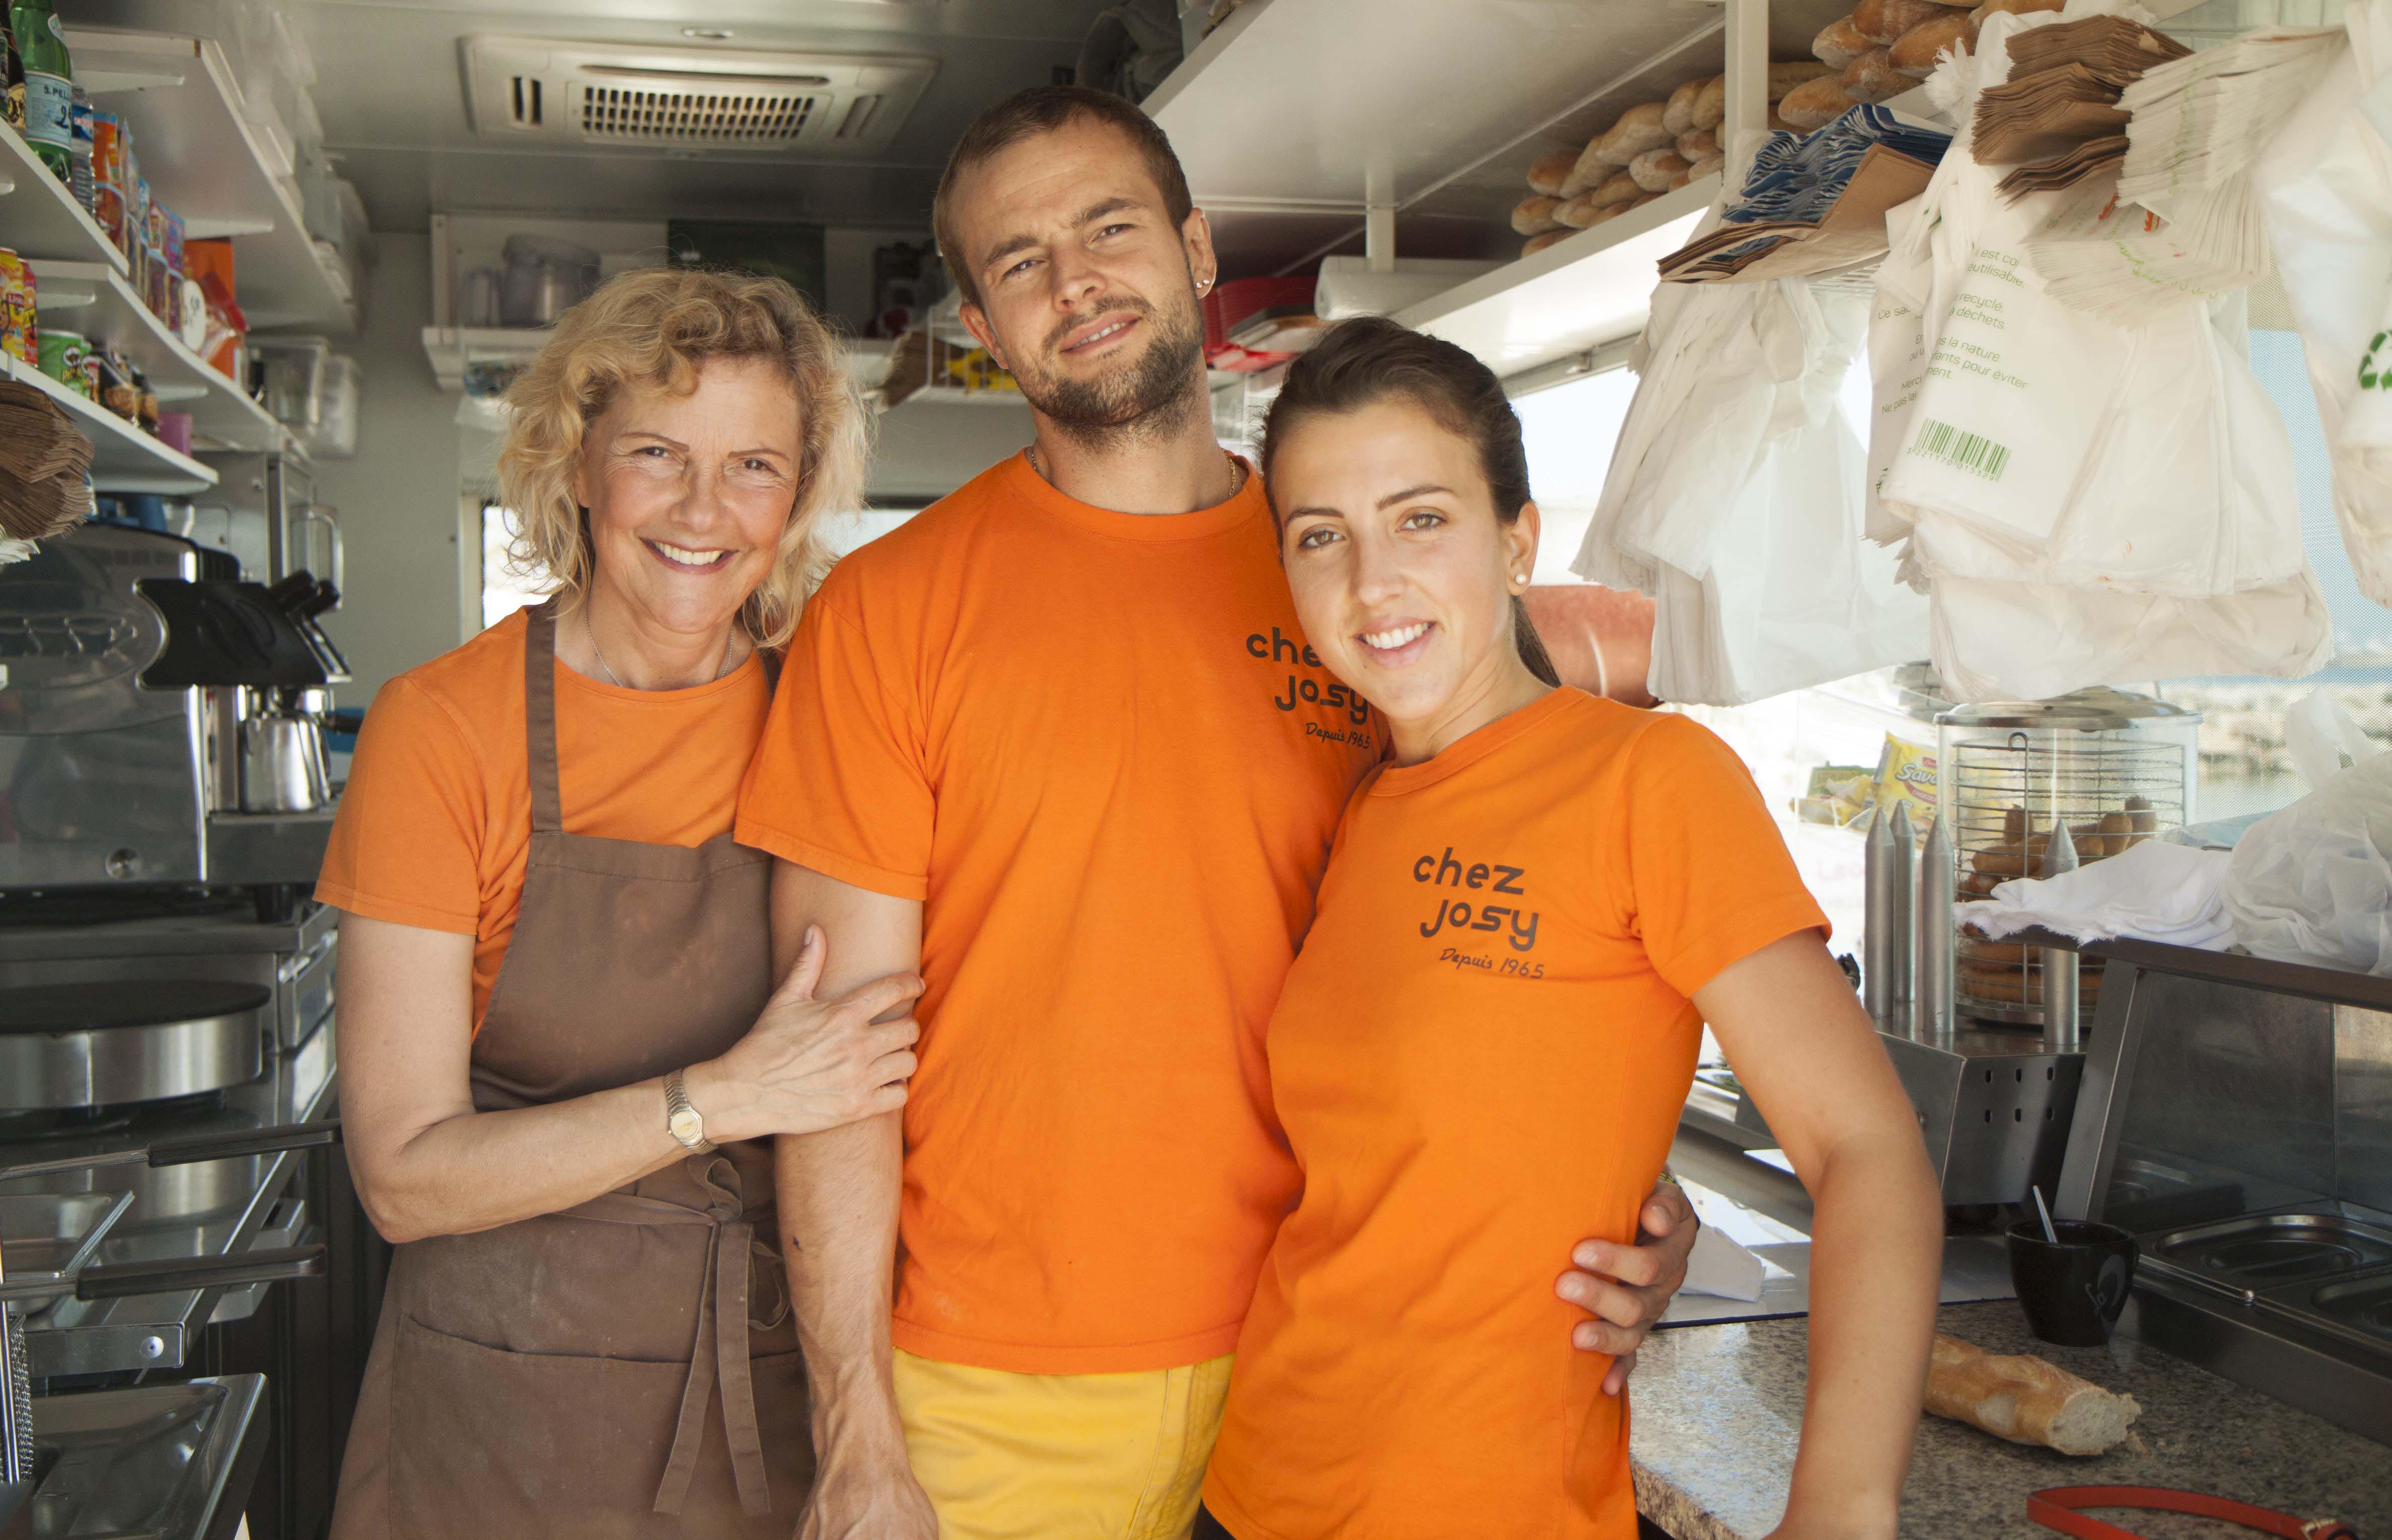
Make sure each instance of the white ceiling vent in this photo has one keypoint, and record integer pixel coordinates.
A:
(531, 89)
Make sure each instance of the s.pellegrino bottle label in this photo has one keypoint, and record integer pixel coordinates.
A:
(49, 115)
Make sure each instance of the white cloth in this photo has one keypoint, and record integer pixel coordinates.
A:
(1719, 1266)
(2152, 891)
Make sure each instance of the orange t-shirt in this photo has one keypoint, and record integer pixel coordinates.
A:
(1095, 746)
(435, 824)
(1480, 1058)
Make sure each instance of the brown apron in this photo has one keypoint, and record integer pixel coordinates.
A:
(553, 1375)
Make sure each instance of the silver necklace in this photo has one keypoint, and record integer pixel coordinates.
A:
(720, 670)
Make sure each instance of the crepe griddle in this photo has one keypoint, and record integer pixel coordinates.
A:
(96, 1006)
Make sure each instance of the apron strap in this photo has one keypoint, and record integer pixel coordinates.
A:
(720, 1354)
(539, 718)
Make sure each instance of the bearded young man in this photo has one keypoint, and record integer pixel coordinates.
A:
(1058, 744)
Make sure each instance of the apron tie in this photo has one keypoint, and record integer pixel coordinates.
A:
(719, 1353)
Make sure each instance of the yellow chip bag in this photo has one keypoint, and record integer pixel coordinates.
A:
(1907, 770)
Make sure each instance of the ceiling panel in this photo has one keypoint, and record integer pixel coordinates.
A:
(390, 89)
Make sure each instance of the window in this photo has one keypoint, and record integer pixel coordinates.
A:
(2243, 767)
(505, 587)
(1568, 432)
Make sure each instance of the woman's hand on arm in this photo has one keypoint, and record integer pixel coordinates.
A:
(839, 1232)
(811, 1064)
(1627, 1287)
(1802, 1046)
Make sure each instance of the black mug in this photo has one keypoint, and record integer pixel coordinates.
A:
(2072, 1290)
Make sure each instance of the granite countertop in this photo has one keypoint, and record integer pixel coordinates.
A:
(1716, 1411)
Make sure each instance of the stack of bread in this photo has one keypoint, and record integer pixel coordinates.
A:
(1652, 148)
(1887, 46)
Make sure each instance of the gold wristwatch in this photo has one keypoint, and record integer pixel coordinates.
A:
(683, 1119)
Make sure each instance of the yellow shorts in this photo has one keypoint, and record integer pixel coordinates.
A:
(1065, 1456)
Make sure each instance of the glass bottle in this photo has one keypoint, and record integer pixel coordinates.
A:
(12, 105)
(49, 86)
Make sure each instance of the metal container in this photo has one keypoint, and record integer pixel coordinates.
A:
(1932, 1008)
(110, 1043)
(2116, 768)
(1887, 942)
(283, 764)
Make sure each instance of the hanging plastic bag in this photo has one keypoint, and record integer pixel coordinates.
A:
(2326, 190)
(2313, 882)
(1738, 496)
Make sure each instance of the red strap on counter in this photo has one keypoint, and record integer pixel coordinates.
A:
(2055, 1508)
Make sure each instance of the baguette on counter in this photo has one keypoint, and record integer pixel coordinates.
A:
(2026, 1400)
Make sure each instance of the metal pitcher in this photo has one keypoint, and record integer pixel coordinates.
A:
(282, 763)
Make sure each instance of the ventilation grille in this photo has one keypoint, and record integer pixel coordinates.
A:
(688, 99)
(618, 116)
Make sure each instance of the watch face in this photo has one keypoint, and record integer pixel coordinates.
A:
(687, 1126)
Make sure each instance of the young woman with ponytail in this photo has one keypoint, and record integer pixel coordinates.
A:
(1529, 912)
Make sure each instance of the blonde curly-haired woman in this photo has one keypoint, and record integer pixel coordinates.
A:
(562, 1056)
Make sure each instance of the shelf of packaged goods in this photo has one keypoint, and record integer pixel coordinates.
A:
(123, 459)
(94, 300)
(39, 218)
(1575, 295)
(209, 164)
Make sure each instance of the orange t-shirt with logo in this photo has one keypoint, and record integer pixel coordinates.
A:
(1479, 1058)
(1098, 749)
(435, 824)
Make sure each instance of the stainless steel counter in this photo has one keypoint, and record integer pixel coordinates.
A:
(157, 1330)
(1717, 1410)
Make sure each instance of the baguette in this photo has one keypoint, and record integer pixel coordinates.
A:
(1883, 21)
(1915, 52)
(1577, 212)
(1681, 180)
(1621, 188)
(1535, 215)
(2026, 1400)
(1653, 170)
(1711, 107)
(1536, 243)
(1639, 129)
(1678, 113)
(1785, 77)
(1872, 76)
(1840, 42)
(1697, 143)
(1816, 105)
(1550, 169)
(1591, 167)
(1709, 165)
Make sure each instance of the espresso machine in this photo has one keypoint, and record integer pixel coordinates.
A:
(160, 720)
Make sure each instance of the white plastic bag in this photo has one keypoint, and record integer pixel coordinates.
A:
(1736, 497)
(2325, 189)
(2314, 881)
